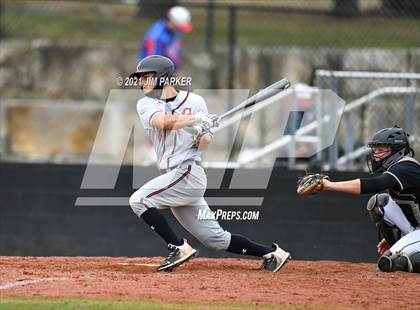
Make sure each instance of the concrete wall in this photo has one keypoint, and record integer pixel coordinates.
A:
(68, 75)
(44, 69)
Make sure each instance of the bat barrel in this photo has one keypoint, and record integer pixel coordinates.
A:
(260, 96)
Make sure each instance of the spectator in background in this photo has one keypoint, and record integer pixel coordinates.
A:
(164, 36)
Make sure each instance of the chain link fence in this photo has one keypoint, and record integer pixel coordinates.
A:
(375, 100)
(235, 44)
(70, 50)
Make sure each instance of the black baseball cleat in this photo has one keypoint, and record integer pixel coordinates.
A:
(177, 256)
(273, 261)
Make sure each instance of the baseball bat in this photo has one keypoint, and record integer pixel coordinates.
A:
(258, 97)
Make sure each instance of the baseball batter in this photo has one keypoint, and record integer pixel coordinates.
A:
(179, 126)
(395, 213)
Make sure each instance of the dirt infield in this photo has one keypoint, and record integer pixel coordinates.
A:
(202, 280)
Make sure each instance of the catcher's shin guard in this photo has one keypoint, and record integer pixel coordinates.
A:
(390, 262)
(390, 232)
(387, 230)
(375, 206)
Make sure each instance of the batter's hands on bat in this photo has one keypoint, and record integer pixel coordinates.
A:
(311, 183)
(383, 246)
(199, 131)
(212, 120)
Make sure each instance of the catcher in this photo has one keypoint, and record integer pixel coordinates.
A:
(396, 212)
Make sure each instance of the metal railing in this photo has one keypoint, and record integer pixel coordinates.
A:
(330, 159)
(359, 122)
(309, 133)
(300, 135)
(351, 154)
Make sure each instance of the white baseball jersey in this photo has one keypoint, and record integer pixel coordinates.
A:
(181, 189)
(172, 146)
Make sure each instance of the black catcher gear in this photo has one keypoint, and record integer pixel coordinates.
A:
(396, 139)
(387, 230)
(399, 261)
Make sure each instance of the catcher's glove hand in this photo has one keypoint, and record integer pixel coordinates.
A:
(311, 183)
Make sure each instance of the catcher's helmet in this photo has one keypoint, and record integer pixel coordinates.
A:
(396, 139)
(163, 68)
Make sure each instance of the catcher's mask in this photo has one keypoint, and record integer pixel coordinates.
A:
(395, 140)
(163, 68)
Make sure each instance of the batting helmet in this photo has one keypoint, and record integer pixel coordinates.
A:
(160, 65)
(163, 68)
(396, 139)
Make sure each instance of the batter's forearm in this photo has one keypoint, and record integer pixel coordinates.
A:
(180, 121)
(169, 122)
(351, 187)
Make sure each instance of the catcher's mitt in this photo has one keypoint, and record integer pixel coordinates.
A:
(311, 183)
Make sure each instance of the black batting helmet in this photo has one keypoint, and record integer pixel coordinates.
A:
(163, 68)
(396, 139)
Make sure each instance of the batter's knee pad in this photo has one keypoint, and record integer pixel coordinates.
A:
(399, 261)
(387, 230)
(137, 204)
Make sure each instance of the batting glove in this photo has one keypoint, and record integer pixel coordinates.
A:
(200, 130)
(211, 119)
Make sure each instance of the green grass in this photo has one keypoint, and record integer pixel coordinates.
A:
(86, 21)
(24, 23)
(268, 29)
(83, 303)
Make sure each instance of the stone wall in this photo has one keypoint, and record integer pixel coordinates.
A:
(60, 72)
(44, 69)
